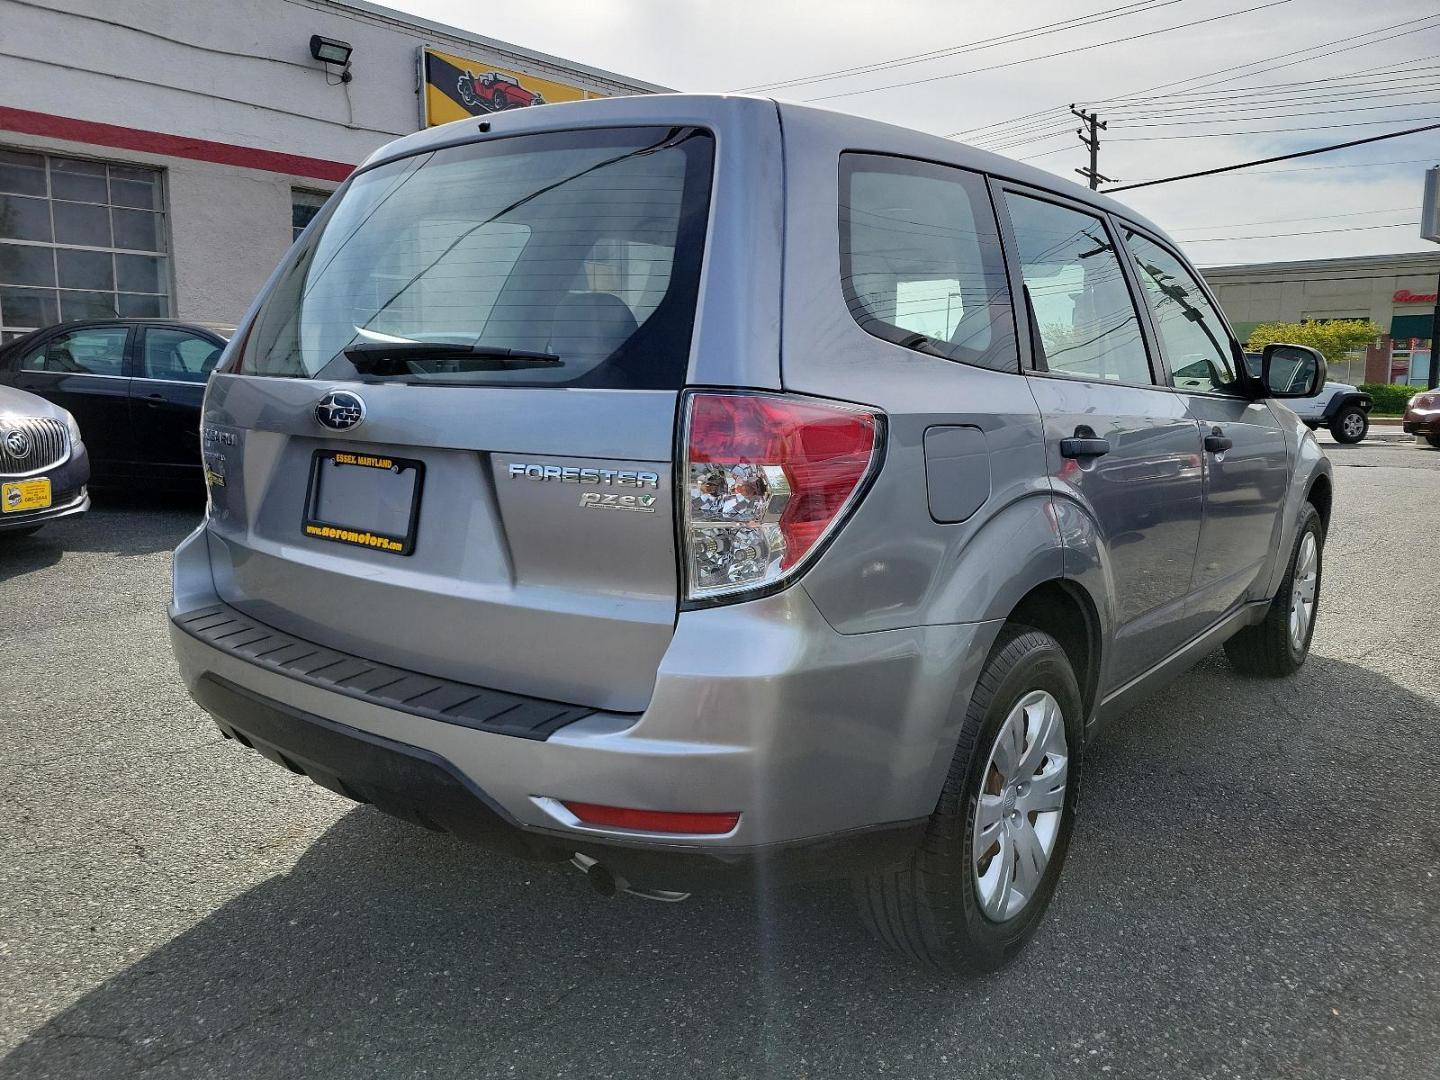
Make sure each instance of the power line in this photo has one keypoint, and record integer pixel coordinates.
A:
(1051, 56)
(1226, 117)
(1256, 99)
(1269, 106)
(1267, 102)
(1311, 232)
(1073, 23)
(1284, 221)
(1268, 131)
(1269, 68)
(1381, 74)
(1289, 95)
(1356, 165)
(1278, 157)
(1301, 90)
(1213, 75)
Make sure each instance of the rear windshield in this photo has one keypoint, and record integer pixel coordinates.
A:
(558, 259)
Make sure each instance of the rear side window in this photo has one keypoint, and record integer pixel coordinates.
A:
(1085, 319)
(556, 259)
(177, 355)
(100, 351)
(920, 259)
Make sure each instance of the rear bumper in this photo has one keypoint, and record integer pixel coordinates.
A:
(833, 748)
(425, 789)
(1421, 423)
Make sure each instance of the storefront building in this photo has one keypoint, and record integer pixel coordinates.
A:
(1395, 291)
(159, 161)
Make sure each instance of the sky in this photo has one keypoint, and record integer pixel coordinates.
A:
(1377, 81)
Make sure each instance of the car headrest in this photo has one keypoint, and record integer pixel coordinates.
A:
(589, 326)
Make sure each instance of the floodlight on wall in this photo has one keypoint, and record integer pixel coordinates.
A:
(332, 51)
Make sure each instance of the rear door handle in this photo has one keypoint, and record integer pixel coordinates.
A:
(1217, 442)
(1084, 444)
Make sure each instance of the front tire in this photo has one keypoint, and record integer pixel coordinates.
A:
(1350, 425)
(974, 892)
(1433, 440)
(1279, 645)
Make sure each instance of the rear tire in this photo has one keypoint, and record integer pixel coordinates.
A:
(1350, 425)
(1278, 646)
(16, 534)
(933, 909)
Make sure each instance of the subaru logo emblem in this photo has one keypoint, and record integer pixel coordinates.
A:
(340, 410)
(17, 443)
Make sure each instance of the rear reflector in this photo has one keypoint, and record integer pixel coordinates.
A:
(768, 477)
(618, 817)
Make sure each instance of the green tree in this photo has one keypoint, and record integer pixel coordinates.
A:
(1333, 340)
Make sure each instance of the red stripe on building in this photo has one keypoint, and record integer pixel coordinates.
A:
(157, 142)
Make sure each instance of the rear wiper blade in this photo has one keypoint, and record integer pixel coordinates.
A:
(396, 357)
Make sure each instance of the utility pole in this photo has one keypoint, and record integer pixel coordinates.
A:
(1092, 143)
(1430, 230)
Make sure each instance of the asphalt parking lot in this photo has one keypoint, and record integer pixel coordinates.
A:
(1253, 890)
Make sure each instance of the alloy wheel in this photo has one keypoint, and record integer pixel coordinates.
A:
(1022, 798)
(1302, 590)
(1353, 425)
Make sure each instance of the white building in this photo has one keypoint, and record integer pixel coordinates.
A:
(157, 157)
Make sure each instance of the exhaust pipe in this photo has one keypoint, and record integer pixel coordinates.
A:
(607, 883)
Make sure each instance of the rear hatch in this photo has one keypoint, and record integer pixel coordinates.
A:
(445, 441)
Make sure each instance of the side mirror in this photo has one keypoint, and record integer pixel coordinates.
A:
(1292, 371)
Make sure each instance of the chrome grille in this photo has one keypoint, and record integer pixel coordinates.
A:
(42, 443)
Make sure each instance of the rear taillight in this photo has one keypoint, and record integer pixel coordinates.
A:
(767, 479)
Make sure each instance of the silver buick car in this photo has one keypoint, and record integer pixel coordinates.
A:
(706, 489)
(44, 468)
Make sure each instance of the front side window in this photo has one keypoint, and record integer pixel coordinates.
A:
(920, 260)
(1195, 339)
(100, 351)
(557, 259)
(177, 355)
(1085, 320)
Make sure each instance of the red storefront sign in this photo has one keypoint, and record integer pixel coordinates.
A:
(1405, 296)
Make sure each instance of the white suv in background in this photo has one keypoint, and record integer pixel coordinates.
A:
(1338, 406)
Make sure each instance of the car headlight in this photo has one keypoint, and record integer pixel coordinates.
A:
(73, 429)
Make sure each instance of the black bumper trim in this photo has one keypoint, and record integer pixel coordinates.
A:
(222, 627)
(422, 787)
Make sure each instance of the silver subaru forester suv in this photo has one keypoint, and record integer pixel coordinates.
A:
(705, 489)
